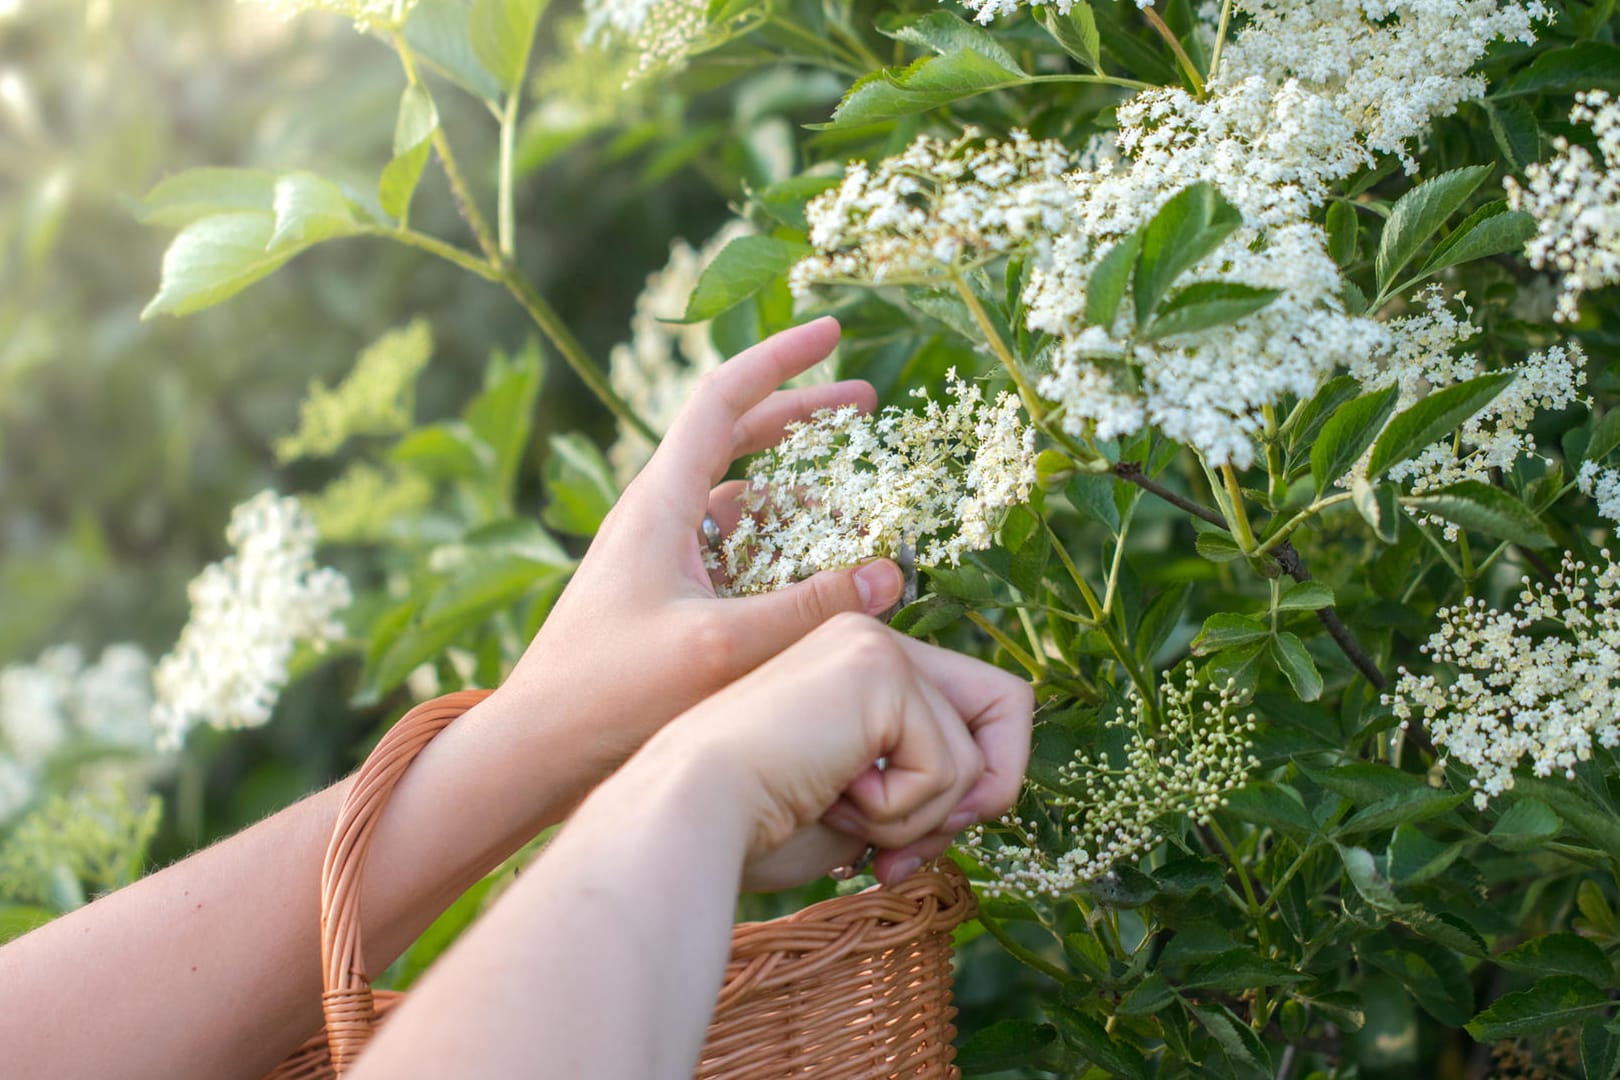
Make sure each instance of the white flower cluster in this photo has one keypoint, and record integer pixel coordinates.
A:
(1538, 684)
(1576, 204)
(935, 208)
(1603, 485)
(1113, 811)
(657, 369)
(1424, 357)
(659, 33)
(847, 487)
(60, 703)
(248, 612)
(365, 13)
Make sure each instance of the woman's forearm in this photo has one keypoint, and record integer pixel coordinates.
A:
(605, 958)
(211, 968)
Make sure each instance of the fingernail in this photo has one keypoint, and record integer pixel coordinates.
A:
(879, 585)
(960, 820)
(902, 869)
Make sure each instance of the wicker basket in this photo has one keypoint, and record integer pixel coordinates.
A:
(857, 987)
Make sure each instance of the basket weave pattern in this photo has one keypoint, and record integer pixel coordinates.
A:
(856, 988)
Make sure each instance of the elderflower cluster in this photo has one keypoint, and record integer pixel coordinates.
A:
(1113, 807)
(1576, 203)
(376, 398)
(847, 487)
(660, 34)
(61, 708)
(1424, 357)
(933, 209)
(248, 612)
(1603, 486)
(1536, 685)
(365, 14)
(657, 369)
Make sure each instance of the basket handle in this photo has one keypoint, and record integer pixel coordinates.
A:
(346, 999)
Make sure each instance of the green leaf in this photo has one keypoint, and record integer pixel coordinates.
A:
(925, 85)
(1303, 425)
(1526, 826)
(1216, 545)
(1418, 215)
(1108, 282)
(179, 200)
(441, 452)
(213, 259)
(1433, 974)
(1379, 506)
(744, 267)
(1006, 1044)
(1344, 231)
(1087, 956)
(1414, 858)
(1605, 437)
(1266, 802)
(1553, 1002)
(1362, 869)
(579, 484)
(1517, 133)
(439, 936)
(437, 30)
(1240, 969)
(1561, 954)
(945, 32)
(1290, 655)
(1160, 620)
(1186, 229)
(1305, 596)
(1407, 808)
(1584, 66)
(1592, 819)
(501, 33)
(18, 919)
(502, 416)
(413, 133)
(1432, 419)
(1147, 997)
(1483, 508)
(1076, 32)
(1224, 630)
(309, 209)
(1348, 432)
(1600, 1051)
(1498, 233)
(1092, 1039)
(928, 616)
(1205, 304)
(965, 582)
(1093, 496)
(1241, 1045)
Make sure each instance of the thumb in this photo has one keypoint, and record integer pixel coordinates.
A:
(782, 617)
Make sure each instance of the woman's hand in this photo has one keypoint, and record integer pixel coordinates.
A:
(639, 635)
(799, 739)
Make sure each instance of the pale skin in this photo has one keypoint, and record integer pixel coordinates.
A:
(210, 968)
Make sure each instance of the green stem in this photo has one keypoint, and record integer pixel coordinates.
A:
(1299, 519)
(505, 219)
(1095, 80)
(434, 246)
(1035, 668)
(557, 332)
(1242, 871)
(1119, 553)
(1032, 401)
(1241, 529)
(1276, 481)
(1220, 39)
(1169, 35)
(1444, 554)
(1074, 573)
(1020, 952)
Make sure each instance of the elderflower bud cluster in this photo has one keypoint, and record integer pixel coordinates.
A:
(376, 398)
(1603, 485)
(1424, 357)
(248, 612)
(1113, 807)
(365, 14)
(657, 369)
(660, 34)
(1537, 685)
(1576, 204)
(847, 487)
(61, 708)
(934, 209)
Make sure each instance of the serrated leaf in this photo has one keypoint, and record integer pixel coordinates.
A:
(1205, 304)
(1225, 630)
(946, 32)
(1600, 1050)
(1552, 1002)
(1379, 506)
(1584, 66)
(1188, 227)
(212, 259)
(1344, 232)
(1592, 819)
(929, 83)
(579, 484)
(1147, 997)
(1076, 32)
(1109, 281)
(1304, 425)
(308, 210)
(1217, 546)
(1362, 869)
(1605, 437)
(1414, 857)
(1305, 596)
(1092, 1039)
(1483, 508)
(1235, 1038)
(1347, 434)
(928, 616)
(418, 118)
(1295, 661)
(1418, 215)
(437, 31)
(1497, 234)
(1006, 1044)
(744, 267)
(1266, 802)
(1433, 974)
(1561, 954)
(1239, 969)
(501, 33)
(179, 200)
(1407, 808)
(1526, 826)
(1517, 133)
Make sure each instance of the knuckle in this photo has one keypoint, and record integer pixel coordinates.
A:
(713, 646)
